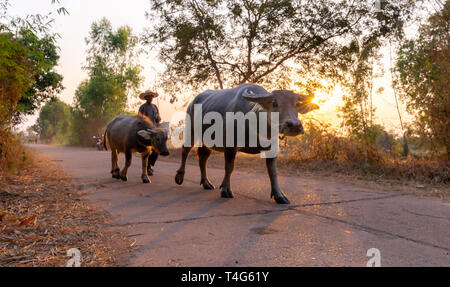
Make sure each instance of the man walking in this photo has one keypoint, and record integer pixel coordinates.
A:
(150, 111)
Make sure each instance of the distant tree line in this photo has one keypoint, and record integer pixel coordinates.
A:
(54, 122)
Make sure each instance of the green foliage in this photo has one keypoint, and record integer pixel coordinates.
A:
(222, 43)
(14, 74)
(113, 76)
(423, 66)
(27, 78)
(46, 83)
(53, 123)
(28, 55)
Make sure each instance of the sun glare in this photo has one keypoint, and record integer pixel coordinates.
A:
(328, 100)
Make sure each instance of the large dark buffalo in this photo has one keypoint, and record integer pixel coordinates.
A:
(246, 98)
(130, 134)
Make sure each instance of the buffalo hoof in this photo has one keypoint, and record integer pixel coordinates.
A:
(179, 178)
(207, 185)
(145, 179)
(124, 177)
(116, 174)
(281, 199)
(227, 193)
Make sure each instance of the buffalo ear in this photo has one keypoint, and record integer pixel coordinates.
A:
(306, 98)
(152, 133)
(304, 108)
(257, 98)
(145, 134)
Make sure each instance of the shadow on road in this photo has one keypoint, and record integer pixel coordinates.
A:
(176, 227)
(262, 227)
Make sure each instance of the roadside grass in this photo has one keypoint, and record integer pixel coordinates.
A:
(42, 216)
(12, 154)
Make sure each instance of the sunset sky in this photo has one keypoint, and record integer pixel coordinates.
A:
(75, 27)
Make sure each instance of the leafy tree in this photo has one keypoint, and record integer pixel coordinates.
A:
(423, 66)
(28, 58)
(27, 73)
(113, 76)
(222, 43)
(357, 111)
(28, 55)
(46, 83)
(54, 122)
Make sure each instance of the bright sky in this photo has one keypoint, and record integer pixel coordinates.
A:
(75, 27)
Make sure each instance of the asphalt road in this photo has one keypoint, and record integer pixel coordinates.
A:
(327, 223)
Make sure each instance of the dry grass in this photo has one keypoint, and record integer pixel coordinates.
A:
(12, 154)
(323, 150)
(42, 216)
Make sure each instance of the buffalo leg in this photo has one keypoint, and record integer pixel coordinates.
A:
(144, 177)
(124, 172)
(151, 162)
(276, 193)
(179, 178)
(115, 171)
(203, 155)
(230, 155)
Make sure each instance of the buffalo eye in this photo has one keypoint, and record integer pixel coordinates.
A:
(275, 104)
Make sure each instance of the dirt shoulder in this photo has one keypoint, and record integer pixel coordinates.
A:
(43, 215)
(255, 164)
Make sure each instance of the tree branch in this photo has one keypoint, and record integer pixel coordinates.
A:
(206, 42)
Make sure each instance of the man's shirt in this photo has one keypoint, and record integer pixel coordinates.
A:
(151, 111)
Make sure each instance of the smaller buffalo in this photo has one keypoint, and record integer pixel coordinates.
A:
(131, 134)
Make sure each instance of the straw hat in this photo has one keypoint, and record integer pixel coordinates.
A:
(147, 93)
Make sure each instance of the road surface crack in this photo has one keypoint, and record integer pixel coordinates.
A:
(425, 215)
(373, 230)
(345, 201)
(257, 212)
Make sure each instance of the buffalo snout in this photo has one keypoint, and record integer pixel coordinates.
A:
(163, 150)
(292, 128)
